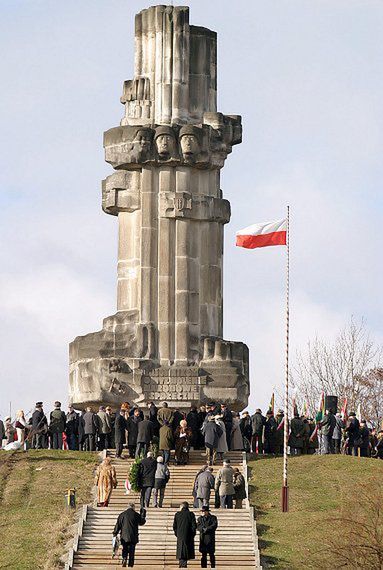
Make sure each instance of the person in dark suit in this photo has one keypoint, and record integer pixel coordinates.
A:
(207, 525)
(119, 432)
(146, 478)
(144, 436)
(185, 526)
(127, 525)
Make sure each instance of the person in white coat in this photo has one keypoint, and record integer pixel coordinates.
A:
(21, 427)
(236, 442)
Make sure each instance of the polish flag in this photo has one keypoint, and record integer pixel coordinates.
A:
(262, 235)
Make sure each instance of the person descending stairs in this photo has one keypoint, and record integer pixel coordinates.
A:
(236, 538)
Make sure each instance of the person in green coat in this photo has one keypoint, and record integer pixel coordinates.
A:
(166, 441)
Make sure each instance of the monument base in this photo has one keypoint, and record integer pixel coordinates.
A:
(118, 364)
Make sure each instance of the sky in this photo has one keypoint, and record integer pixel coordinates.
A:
(307, 78)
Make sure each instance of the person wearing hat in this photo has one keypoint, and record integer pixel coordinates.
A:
(57, 426)
(207, 525)
(224, 484)
(280, 432)
(212, 432)
(189, 138)
(184, 527)
(127, 526)
(39, 427)
(71, 428)
(104, 427)
(352, 432)
(270, 433)
(258, 422)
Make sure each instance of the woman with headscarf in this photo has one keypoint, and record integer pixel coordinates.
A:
(105, 480)
(21, 427)
(183, 436)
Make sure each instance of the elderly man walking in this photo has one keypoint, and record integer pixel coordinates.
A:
(204, 484)
(185, 526)
(224, 484)
(147, 477)
(212, 432)
(127, 525)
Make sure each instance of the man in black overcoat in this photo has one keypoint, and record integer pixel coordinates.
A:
(144, 436)
(146, 478)
(127, 524)
(185, 527)
(207, 525)
(119, 432)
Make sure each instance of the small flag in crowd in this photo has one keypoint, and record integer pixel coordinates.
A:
(321, 408)
(359, 413)
(271, 405)
(262, 235)
(343, 411)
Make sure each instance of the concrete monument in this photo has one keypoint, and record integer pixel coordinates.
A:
(165, 341)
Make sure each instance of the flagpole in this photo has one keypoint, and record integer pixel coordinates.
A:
(285, 488)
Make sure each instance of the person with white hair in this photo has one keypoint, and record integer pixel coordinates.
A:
(161, 479)
(21, 426)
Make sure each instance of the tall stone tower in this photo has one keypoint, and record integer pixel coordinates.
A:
(165, 341)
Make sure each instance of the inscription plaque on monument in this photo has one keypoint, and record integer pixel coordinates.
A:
(165, 340)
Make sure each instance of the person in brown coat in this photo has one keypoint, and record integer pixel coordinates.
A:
(106, 481)
(166, 441)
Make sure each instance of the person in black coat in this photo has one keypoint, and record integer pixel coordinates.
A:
(132, 427)
(270, 433)
(352, 432)
(119, 432)
(201, 418)
(185, 526)
(364, 439)
(144, 436)
(127, 524)
(39, 427)
(71, 428)
(146, 478)
(258, 422)
(177, 417)
(193, 423)
(153, 411)
(207, 525)
(246, 430)
(228, 421)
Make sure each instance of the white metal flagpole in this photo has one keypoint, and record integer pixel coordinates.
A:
(285, 488)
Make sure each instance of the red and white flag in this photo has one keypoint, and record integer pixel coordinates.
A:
(262, 235)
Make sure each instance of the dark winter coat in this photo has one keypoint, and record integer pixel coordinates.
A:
(271, 429)
(39, 421)
(352, 430)
(153, 418)
(119, 429)
(57, 421)
(127, 524)
(227, 420)
(177, 417)
(132, 424)
(297, 430)
(145, 432)
(239, 486)
(258, 421)
(364, 435)
(206, 526)
(246, 427)
(166, 438)
(212, 433)
(185, 527)
(2, 431)
(147, 472)
(193, 423)
(90, 423)
(280, 433)
(72, 420)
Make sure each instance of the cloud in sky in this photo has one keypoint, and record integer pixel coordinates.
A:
(307, 78)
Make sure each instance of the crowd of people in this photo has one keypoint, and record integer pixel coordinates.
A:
(213, 427)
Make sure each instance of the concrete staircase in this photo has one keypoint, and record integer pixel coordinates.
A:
(236, 538)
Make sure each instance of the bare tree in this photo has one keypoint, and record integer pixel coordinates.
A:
(344, 368)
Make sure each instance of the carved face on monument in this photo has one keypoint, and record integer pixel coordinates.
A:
(165, 143)
(141, 145)
(189, 143)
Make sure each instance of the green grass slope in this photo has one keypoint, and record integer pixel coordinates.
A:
(319, 486)
(34, 523)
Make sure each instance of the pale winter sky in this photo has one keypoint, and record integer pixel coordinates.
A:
(307, 77)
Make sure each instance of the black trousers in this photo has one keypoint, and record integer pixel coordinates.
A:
(128, 550)
(183, 564)
(119, 447)
(204, 559)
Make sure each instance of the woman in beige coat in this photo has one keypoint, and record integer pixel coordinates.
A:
(105, 480)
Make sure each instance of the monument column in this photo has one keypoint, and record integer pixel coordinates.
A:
(165, 340)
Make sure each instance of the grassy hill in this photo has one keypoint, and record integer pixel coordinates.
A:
(34, 523)
(319, 487)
